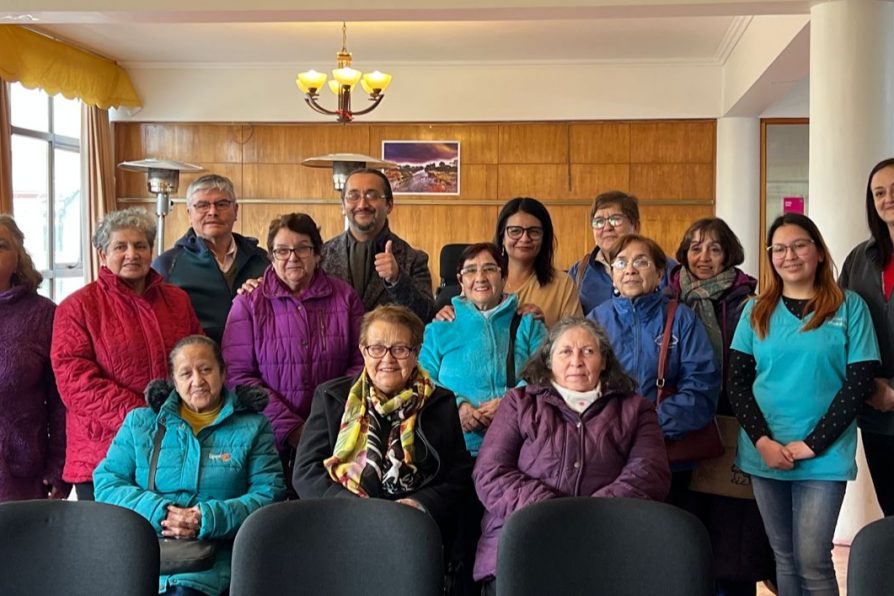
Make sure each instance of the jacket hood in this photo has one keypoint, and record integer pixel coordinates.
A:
(246, 398)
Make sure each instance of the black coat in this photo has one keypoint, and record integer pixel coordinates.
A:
(440, 456)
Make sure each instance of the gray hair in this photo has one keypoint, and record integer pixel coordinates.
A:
(211, 182)
(132, 218)
(196, 340)
(538, 370)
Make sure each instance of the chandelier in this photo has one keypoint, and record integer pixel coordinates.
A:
(344, 78)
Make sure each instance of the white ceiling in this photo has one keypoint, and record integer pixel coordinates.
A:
(703, 39)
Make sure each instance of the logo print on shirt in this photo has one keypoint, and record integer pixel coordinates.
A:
(224, 457)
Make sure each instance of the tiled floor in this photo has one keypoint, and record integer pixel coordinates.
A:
(839, 558)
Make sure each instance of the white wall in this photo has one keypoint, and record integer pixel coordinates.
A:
(437, 93)
(795, 104)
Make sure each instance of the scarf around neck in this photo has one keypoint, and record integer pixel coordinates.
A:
(700, 295)
(374, 451)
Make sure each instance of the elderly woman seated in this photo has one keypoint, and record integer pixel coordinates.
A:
(578, 428)
(389, 433)
(215, 461)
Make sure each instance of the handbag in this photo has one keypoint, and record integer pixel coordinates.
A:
(179, 555)
(720, 475)
(702, 443)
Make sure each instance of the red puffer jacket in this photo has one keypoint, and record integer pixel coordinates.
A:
(108, 343)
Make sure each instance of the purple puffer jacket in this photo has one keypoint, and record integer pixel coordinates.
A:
(290, 345)
(538, 448)
(32, 417)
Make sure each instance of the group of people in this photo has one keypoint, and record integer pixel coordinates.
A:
(221, 377)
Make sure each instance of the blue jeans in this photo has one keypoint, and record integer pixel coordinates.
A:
(800, 518)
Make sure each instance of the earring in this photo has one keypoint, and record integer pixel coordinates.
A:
(615, 291)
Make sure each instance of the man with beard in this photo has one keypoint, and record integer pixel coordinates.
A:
(368, 255)
(210, 262)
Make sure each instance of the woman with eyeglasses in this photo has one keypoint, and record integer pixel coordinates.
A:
(635, 322)
(612, 215)
(299, 328)
(869, 271)
(801, 365)
(388, 433)
(709, 281)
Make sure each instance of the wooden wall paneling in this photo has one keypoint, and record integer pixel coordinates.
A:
(287, 181)
(290, 143)
(574, 235)
(666, 224)
(672, 181)
(133, 184)
(206, 143)
(256, 217)
(479, 143)
(600, 143)
(541, 181)
(545, 143)
(672, 142)
(478, 182)
(429, 227)
(588, 180)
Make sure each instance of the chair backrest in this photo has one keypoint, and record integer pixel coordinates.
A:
(450, 254)
(68, 547)
(337, 547)
(595, 546)
(872, 550)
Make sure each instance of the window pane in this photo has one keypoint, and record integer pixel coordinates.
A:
(67, 116)
(67, 207)
(63, 286)
(29, 108)
(29, 195)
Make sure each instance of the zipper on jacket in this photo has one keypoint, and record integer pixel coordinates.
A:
(580, 450)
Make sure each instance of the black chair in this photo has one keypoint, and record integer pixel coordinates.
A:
(449, 286)
(68, 547)
(338, 547)
(596, 546)
(872, 550)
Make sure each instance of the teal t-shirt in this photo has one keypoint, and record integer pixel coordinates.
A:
(798, 375)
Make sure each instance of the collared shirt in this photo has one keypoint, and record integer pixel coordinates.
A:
(229, 256)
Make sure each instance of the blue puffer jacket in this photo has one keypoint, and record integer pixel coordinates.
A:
(636, 328)
(468, 355)
(229, 470)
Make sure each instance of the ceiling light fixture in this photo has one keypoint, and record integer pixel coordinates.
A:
(344, 78)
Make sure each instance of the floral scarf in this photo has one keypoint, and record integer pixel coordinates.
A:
(374, 449)
(700, 295)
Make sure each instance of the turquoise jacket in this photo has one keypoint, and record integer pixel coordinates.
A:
(468, 355)
(229, 470)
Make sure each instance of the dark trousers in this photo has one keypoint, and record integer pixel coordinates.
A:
(880, 458)
(84, 490)
(182, 591)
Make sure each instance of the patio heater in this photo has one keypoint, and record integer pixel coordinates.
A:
(343, 164)
(163, 180)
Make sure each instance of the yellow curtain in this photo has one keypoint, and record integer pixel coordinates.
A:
(55, 67)
(97, 150)
(5, 151)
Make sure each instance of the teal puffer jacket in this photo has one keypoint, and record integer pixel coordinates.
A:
(229, 470)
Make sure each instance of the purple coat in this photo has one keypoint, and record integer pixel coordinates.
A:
(538, 448)
(290, 345)
(32, 417)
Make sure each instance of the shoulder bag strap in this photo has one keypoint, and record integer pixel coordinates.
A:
(156, 449)
(665, 344)
(510, 356)
(582, 270)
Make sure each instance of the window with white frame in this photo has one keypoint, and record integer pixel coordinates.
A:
(46, 186)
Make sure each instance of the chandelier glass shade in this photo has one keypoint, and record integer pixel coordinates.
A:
(344, 79)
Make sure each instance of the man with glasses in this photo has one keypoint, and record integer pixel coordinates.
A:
(210, 262)
(383, 268)
(612, 215)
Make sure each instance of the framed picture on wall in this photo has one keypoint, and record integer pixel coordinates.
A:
(423, 167)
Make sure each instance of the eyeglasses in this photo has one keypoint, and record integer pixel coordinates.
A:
(516, 232)
(399, 351)
(613, 220)
(800, 247)
(205, 206)
(282, 253)
(639, 263)
(485, 269)
(370, 195)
